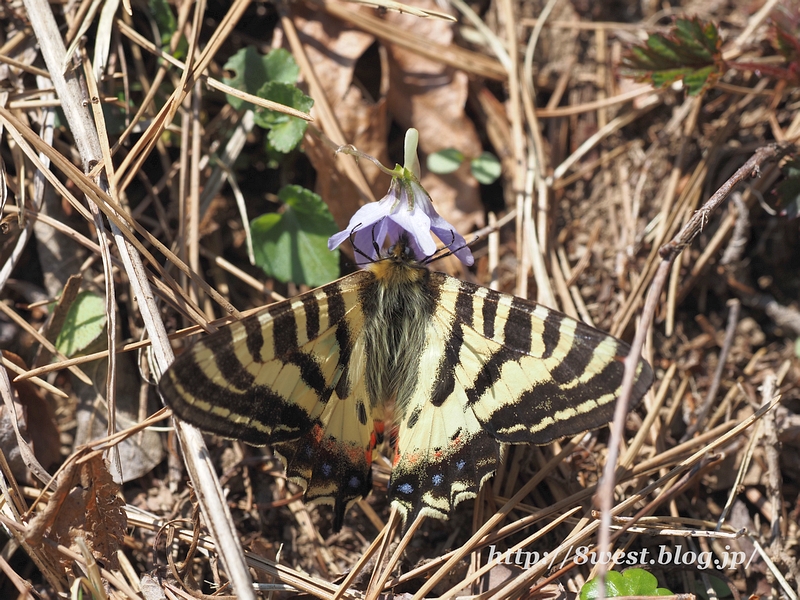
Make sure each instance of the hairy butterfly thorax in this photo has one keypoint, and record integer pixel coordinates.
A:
(397, 305)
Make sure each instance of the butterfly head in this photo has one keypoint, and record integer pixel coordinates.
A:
(399, 265)
(401, 251)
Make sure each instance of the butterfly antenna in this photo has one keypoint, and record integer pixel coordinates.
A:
(375, 243)
(358, 250)
(446, 251)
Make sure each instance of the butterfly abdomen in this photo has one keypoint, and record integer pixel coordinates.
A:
(398, 306)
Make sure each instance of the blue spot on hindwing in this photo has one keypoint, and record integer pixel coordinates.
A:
(405, 488)
(326, 469)
(437, 479)
(354, 482)
(461, 464)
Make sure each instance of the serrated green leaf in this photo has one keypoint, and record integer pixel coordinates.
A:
(662, 51)
(486, 168)
(293, 245)
(84, 323)
(280, 66)
(285, 131)
(633, 582)
(252, 70)
(690, 52)
(445, 161)
(697, 40)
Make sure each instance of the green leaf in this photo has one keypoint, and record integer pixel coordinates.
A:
(270, 77)
(249, 74)
(293, 245)
(486, 168)
(280, 66)
(690, 52)
(162, 13)
(167, 24)
(445, 161)
(789, 190)
(285, 131)
(721, 589)
(251, 70)
(633, 582)
(84, 323)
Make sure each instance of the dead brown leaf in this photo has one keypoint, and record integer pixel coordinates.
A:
(412, 90)
(333, 49)
(39, 420)
(431, 97)
(86, 503)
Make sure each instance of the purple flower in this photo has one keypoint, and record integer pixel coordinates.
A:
(406, 210)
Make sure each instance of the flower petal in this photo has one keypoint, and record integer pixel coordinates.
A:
(362, 221)
(337, 238)
(454, 241)
(417, 225)
(362, 243)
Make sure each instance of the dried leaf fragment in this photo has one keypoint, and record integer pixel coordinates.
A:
(86, 503)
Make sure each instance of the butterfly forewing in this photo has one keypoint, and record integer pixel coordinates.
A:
(543, 375)
(283, 377)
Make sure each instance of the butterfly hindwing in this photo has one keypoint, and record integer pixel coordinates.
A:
(442, 456)
(284, 377)
(497, 368)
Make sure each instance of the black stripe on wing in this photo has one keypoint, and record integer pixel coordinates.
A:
(187, 390)
(547, 377)
(230, 403)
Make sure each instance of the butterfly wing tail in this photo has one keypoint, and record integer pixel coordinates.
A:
(331, 471)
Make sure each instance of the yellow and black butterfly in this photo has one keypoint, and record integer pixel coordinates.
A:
(454, 368)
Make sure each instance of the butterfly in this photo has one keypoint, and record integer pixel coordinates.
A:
(445, 370)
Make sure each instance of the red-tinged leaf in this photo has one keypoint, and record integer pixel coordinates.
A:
(690, 52)
(785, 36)
(790, 74)
(785, 29)
(786, 43)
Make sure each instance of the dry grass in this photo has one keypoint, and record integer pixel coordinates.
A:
(614, 207)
